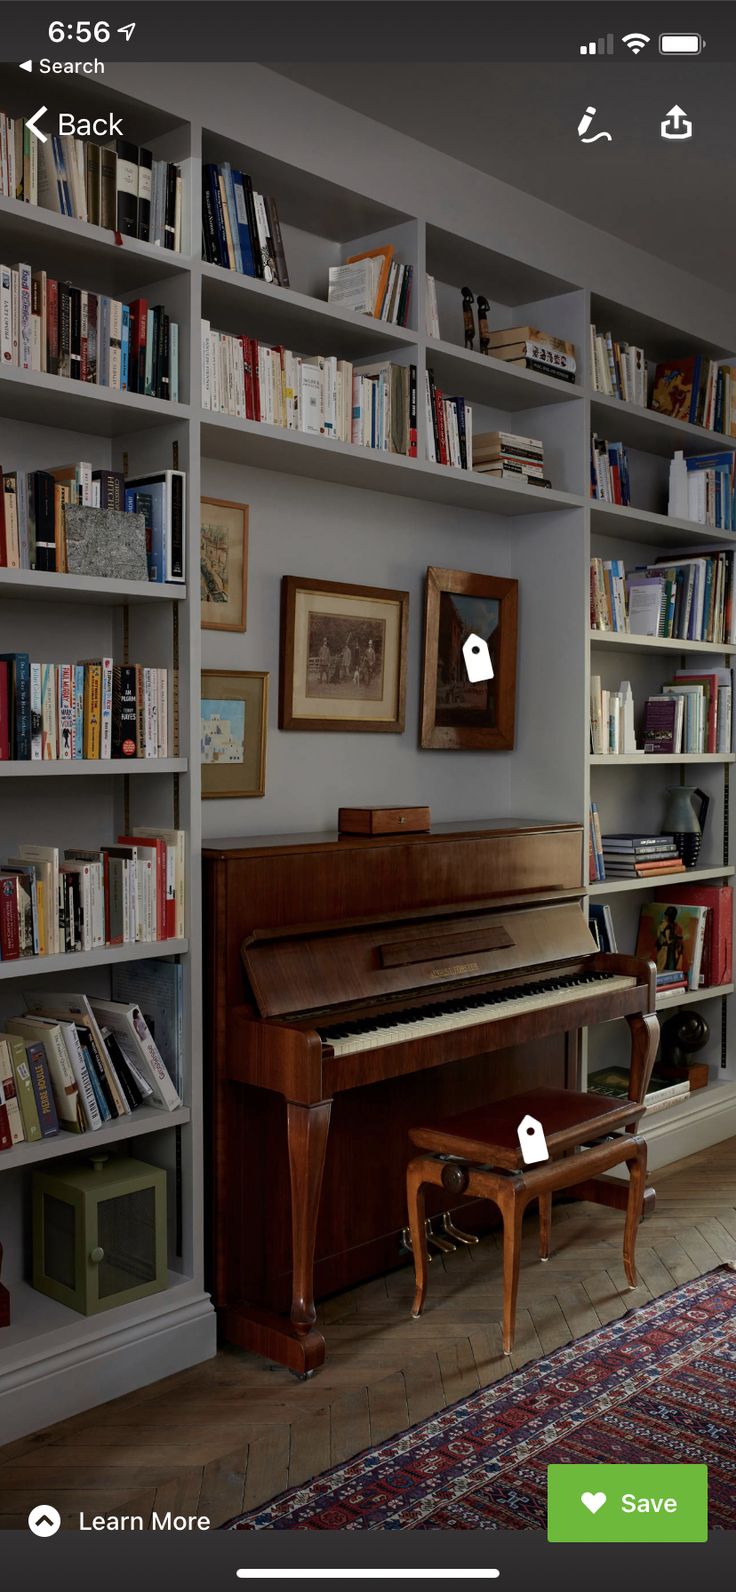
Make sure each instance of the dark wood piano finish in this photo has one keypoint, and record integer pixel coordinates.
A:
(308, 1147)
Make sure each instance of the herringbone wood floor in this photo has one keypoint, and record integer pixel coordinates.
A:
(230, 1434)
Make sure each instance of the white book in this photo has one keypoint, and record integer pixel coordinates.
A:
(46, 859)
(310, 398)
(36, 719)
(351, 287)
(6, 315)
(26, 343)
(127, 1023)
(206, 370)
(175, 867)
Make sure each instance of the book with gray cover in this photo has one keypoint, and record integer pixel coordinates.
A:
(105, 542)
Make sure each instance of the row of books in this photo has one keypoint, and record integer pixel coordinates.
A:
(687, 931)
(373, 283)
(617, 369)
(627, 856)
(92, 710)
(52, 326)
(609, 471)
(371, 405)
(692, 713)
(240, 228)
(53, 903)
(449, 427)
(116, 185)
(701, 488)
(34, 513)
(615, 1082)
(611, 719)
(698, 390)
(71, 1064)
(510, 457)
(690, 598)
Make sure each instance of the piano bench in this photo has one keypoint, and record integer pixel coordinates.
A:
(478, 1152)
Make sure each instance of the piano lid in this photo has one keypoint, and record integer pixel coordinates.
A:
(316, 971)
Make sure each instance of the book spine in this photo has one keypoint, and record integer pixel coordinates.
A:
(41, 1079)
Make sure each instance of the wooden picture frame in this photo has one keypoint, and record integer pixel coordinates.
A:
(243, 772)
(456, 715)
(223, 563)
(343, 657)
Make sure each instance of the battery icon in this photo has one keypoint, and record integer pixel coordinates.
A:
(681, 43)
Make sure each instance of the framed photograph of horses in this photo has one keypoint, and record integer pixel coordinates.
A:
(343, 656)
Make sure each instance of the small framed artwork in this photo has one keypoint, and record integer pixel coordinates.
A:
(461, 713)
(343, 656)
(234, 725)
(223, 563)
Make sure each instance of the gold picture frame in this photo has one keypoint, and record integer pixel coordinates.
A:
(234, 727)
(343, 659)
(223, 563)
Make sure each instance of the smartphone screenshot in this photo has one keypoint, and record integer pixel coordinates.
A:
(367, 640)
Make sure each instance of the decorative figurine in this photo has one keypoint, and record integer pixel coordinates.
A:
(468, 317)
(484, 336)
(682, 1036)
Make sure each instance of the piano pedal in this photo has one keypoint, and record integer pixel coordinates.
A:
(405, 1244)
(445, 1246)
(448, 1226)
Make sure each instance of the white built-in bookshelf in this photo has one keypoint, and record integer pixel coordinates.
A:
(52, 1361)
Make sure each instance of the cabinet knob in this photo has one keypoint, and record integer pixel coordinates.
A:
(96, 1255)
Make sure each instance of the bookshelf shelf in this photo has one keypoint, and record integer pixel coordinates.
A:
(270, 448)
(485, 380)
(55, 768)
(624, 642)
(102, 411)
(688, 997)
(145, 1120)
(41, 587)
(38, 1322)
(649, 431)
(244, 304)
(38, 236)
(604, 887)
(78, 961)
(638, 525)
(719, 1095)
(646, 759)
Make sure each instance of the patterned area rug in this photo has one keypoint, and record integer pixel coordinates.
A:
(657, 1387)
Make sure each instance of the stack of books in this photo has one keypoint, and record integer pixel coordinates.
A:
(510, 457)
(618, 369)
(72, 1063)
(52, 902)
(672, 935)
(698, 390)
(615, 1082)
(609, 472)
(611, 719)
(640, 856)
(449, 427)
(33, 514)
(692, 713)
(371, 405)
(98, 709)
(608, 596)
(47, 325)
(431, 312)
(240, 228)
(373, 283)
(531, 349)
(701, 488)
(116, 185)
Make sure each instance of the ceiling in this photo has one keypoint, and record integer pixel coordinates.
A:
(518, 123)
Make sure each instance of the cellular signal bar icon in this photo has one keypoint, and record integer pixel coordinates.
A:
(603, 47)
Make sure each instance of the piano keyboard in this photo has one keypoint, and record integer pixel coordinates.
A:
(466, 1011)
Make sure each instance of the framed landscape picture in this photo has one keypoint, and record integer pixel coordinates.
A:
(343, 656)
(223, 563)
(460, 714)
(234, 725)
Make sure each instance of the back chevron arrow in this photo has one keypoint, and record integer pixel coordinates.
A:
(31, 124)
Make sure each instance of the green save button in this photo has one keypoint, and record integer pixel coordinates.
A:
(627, 1503)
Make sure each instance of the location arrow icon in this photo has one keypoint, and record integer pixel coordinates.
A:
(31, 124)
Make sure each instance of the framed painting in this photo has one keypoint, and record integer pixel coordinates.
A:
(460, 711)
(223, 563)
(234, 727)
(343, 656)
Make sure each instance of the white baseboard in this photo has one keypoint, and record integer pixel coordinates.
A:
(50, 1388)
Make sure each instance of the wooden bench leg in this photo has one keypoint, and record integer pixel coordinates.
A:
(545, 1225)
(415, 1178)
(637, 1178)
(511, 1205)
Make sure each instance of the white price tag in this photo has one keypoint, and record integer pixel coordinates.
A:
(532, 1142)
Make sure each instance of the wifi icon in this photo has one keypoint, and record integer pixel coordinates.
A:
(635, 42)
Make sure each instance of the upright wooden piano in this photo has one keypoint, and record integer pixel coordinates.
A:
(354, 987)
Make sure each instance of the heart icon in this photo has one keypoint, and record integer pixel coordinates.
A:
(593, 1501)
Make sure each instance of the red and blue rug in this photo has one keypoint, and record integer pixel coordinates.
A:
(657, 1387)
